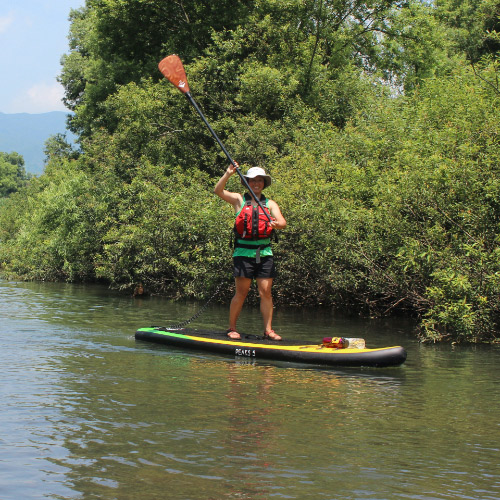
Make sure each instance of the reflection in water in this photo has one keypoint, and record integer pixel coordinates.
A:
(199, 426)
(90, 413)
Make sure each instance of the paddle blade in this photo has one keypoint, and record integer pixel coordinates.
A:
(172, 69)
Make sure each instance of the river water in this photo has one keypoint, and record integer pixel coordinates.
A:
(88, 412)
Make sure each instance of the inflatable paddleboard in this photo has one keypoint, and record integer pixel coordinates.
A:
(256, 347)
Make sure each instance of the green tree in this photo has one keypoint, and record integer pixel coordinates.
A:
(12, 173)
(115, 42)
(261, 52)
(474, 24)
(50, 229)
(57, 147)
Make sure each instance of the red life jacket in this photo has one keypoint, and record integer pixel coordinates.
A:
(251, 223)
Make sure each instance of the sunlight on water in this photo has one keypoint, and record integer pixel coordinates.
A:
(89, 412)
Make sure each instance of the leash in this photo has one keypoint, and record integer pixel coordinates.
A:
(201, 310)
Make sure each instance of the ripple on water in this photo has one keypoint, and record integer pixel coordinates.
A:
(89, 413)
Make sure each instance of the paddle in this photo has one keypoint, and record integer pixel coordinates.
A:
(172, 69)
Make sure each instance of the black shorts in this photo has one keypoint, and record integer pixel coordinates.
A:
(247, 267)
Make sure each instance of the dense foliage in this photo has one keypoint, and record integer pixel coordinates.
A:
(13, 175)
(378, 121)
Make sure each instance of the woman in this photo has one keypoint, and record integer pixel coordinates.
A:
(252, 257)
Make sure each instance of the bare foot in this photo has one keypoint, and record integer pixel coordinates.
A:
(272, 335)
(233, 334)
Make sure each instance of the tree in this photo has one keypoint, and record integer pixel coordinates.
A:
(57, 147)
(115, 42)
(296, 49)
(12, 173)
(474, 24)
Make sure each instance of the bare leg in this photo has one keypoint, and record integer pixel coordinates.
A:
(242, 287)
(266, 302)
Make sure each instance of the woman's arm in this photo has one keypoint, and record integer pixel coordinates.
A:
(279, 222)
(234, 199)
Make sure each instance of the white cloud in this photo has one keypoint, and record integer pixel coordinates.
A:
(40, 98)
(5, 22)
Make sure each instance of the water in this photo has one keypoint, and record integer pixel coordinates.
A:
(90, 413)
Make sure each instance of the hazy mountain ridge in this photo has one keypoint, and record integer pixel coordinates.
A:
(26, 134)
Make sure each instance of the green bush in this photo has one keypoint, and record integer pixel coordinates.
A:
(395, 212)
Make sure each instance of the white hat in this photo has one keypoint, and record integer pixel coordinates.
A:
(258, 172)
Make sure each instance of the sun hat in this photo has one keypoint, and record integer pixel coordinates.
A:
(258, 172)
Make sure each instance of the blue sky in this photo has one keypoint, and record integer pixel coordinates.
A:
(33, 37)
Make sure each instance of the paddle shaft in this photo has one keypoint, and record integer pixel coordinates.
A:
(242, 177)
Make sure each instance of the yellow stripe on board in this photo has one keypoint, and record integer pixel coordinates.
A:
(301, 348)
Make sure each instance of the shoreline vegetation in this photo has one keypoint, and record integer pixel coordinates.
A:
(378, 121)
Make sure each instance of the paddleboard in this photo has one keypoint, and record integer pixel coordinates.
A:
(257, 347)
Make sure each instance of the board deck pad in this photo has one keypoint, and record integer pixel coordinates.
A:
(245, 337)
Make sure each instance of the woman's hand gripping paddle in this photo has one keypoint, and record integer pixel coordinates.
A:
(172, 69)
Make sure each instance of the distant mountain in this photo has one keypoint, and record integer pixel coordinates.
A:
(26, 134)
